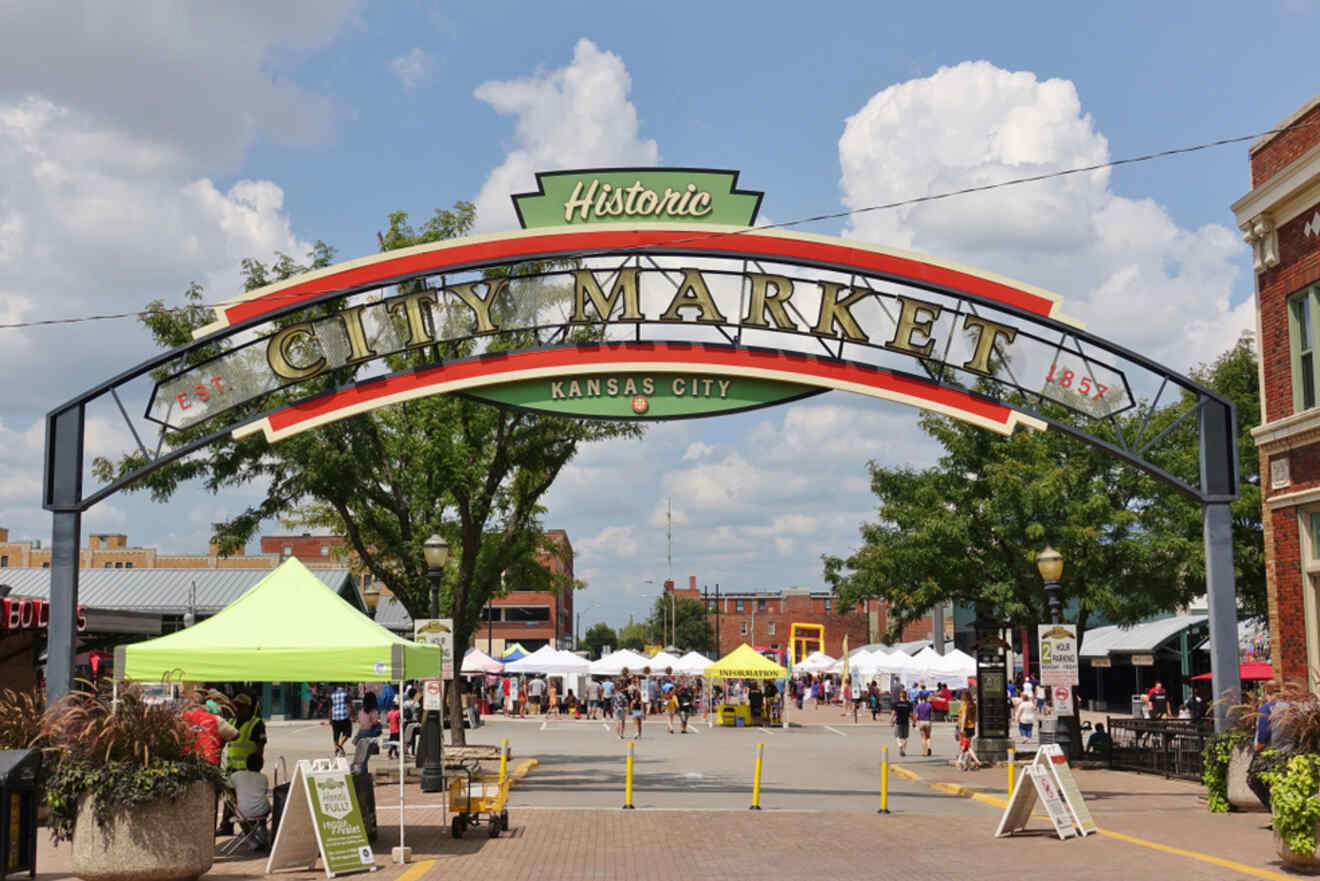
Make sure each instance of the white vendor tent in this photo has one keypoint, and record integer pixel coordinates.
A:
(692, 664)
(816, 662)
(616, 662)
(551, 662)
(663, 660)
(476, 662)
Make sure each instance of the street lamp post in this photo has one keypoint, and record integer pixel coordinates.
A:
(436, 551)
(1049, 563)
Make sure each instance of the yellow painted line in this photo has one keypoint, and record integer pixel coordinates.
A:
(968, 792)
(417, 871)
(1202, 857)
(900, 771)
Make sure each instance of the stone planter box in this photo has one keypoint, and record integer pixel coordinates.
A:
(161, 841)
(1303, 863)
(1239, 795)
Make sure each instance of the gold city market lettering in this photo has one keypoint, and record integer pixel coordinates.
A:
(292, 355)
(613, 387)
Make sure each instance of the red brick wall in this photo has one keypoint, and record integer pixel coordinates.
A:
(1299, 266)
(796, 610)
(1288, 639)
(1284, 148)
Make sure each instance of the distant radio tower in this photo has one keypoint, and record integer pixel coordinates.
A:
(669, 535)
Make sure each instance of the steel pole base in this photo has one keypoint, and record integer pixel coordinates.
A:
(754, 808)
(882, 811)
(993, 749)
(433, 771)
(629, 808)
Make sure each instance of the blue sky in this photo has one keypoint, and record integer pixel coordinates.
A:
(144, 148)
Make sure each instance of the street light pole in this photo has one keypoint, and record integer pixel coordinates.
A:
(1049, 563)
(436, 550)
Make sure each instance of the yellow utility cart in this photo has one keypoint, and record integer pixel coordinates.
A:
(471, 794)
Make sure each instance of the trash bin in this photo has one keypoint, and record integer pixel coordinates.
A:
(1138, 706)
(18, 810)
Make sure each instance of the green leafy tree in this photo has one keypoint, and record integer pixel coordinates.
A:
(634, 635)
(693, 634)
(597, 637)
(969, 528)
(471, 472)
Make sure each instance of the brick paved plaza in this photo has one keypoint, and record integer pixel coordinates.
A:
(820, 792)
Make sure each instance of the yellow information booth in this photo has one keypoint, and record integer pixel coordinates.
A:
(744, 662)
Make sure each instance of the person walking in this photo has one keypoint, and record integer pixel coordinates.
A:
(924, 711)
(620, 704)
(341, 722)
(684, 696)
(900, 716)
(1026, 717)
(671, 708)
(637, 705)
(536, 690)
(593, 699)
(552, 708)
(967, 714)
(1268, 734)
(873, 699)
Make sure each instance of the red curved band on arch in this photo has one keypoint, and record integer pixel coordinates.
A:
(659, 357)
(519, 245)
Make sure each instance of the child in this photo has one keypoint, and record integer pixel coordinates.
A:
(394, 717)
(967, 759)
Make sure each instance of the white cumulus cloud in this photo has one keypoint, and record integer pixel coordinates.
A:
(1122, 264)
(412, 69)
(574, 116)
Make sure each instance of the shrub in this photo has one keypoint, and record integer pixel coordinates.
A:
(1295, 801)
(125, 755)
(1215, 756)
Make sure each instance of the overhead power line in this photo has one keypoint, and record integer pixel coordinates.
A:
(815, 218)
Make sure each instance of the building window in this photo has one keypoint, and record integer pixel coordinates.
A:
(710, 604)
(738, 606)
(119, 565)
(1303, 310)
(760, 605)
(4, 561)
(128, 565)
(107, 565)
(770, 629)
(288, 550)
(325, 550)
(742, 628)
(829, 605)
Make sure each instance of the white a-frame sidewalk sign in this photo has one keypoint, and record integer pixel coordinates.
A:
(322, 818)
(1049, 780)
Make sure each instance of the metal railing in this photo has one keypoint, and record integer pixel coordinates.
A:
(1171, 747)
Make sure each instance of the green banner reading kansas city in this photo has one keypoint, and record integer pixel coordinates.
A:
(651, 396)
(649, 195)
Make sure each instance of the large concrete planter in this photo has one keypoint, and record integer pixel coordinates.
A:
(161, 841)
(1240, 795)
(1302, 863)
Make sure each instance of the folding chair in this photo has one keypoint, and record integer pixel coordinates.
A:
(251, 831)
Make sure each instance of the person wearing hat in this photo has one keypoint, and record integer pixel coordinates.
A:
(251, 741)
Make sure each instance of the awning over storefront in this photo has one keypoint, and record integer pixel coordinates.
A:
(1145, 638)
(1248, 671)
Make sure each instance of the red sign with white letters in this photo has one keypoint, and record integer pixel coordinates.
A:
(24, 613)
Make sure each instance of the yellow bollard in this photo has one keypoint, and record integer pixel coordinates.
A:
(1012, 754)
(504, 759)
(627, 786)
(884, 780)
(756, 781)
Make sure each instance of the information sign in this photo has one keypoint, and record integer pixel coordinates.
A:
(438, 631)
(1036, 784)
(432, 695)
(992, 690)
(1050, 756)
(1058, 654)
(322, 818)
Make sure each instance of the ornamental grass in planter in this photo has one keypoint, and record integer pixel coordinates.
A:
(128, 791)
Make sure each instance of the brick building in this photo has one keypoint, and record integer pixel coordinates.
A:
(1280, 219)
(112, 551)
(532, 618)
(763, 619)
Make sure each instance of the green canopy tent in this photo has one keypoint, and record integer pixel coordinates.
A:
(288, 628)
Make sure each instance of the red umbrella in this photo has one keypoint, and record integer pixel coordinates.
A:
(1249, 671)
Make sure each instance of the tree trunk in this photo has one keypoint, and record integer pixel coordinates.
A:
(1076, 751)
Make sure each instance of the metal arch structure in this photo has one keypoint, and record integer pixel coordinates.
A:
(786, 314)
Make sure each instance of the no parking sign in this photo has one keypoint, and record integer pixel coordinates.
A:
(431, 695)
(1063, 705)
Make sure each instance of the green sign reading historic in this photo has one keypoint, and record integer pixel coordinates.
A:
(647, 195)
(642, 395)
